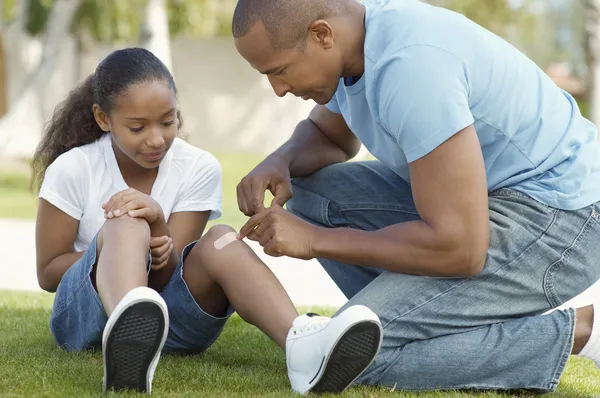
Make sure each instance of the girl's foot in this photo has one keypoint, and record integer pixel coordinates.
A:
(133, 339)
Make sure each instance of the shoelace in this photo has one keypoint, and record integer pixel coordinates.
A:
(316, 324)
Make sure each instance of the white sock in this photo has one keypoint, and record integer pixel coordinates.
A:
(592, 348)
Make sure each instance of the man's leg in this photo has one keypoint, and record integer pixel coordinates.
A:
(362, 195)
(539, 257)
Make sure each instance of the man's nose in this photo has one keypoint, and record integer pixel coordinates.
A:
(281, 88)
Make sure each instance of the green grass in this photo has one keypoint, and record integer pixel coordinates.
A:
(18, 202)
(242, 363)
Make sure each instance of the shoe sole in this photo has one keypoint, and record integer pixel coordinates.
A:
(133, 343)
(351, 356)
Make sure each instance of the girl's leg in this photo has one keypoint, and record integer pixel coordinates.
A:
(122, 249)
(236, 275)
(323, 354)
(138, 321)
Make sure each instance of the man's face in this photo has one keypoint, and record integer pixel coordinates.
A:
(310, 73)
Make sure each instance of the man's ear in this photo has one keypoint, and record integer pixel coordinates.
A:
(322, 33)
(101, 118)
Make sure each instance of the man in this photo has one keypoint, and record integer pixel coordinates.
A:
(480, 214)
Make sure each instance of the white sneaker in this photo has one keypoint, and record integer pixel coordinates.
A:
(325, 355)
(133, 339)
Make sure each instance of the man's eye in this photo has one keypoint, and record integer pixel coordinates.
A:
(169, 123)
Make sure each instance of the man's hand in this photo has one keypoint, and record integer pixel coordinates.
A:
(272, 174)
(135, 204)
(281, 233)
(161, 248)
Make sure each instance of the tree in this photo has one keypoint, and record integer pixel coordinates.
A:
(592, 52)
(155, 31)
(23, 123)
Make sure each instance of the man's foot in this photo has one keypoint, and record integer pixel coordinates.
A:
(133, 339)
(328, 354)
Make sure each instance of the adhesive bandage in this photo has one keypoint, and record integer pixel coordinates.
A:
(226, 239)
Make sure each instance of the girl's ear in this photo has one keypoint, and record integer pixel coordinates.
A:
(101, 118)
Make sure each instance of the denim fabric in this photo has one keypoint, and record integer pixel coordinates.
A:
(78, 317)
(482, 332)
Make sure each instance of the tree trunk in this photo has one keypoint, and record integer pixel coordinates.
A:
(21, 128)
(3, 81)
(593, 58)
(155, 31)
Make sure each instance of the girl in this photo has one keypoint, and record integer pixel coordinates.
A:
(122, 211)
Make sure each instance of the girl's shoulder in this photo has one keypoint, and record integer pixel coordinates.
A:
(186, 156)
(78, 159)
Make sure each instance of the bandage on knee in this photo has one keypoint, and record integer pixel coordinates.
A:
(226, 239)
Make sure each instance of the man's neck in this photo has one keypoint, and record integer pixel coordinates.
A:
(354, 61)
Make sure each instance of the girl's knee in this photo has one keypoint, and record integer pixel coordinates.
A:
(206, 252)
(124, 229)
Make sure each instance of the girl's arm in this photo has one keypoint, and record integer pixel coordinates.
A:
(183, 227)
(55, 234)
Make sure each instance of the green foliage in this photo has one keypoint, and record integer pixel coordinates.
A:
(38, 12)
(118, 20)
(7, 10)
(110, 20)
(494, 15)
(200, 18)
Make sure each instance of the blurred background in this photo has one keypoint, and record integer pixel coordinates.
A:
(48, 46)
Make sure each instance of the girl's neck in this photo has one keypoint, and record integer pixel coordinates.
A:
(135, 176)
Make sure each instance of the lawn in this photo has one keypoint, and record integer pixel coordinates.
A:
(17, 201)
(242, 363)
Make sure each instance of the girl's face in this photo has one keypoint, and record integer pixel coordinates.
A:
(143, 123)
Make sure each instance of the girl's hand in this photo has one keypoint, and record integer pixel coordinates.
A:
(161, 248)
(135, 204)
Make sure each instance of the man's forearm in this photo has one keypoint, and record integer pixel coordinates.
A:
(309, 150)
(409, 248)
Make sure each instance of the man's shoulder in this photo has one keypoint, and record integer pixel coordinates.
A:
(394, 25)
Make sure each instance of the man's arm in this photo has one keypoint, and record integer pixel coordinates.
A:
(450, 192)
(322, 139)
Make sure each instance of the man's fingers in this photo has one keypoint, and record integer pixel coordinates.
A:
(256, 200)
(266, 237)
(271, 248)
(253, 236)
(241, 198)
(251, 224)
(282, 193)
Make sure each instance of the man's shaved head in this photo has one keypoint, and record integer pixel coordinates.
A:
(286, 21)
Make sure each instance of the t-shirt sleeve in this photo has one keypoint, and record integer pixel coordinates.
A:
(203, 191)
(66, 182)
(423, 98)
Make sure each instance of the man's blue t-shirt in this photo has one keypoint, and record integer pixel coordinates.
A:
(430, 72)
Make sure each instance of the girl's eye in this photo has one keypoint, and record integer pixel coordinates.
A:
(136, 129)
(170, 122)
